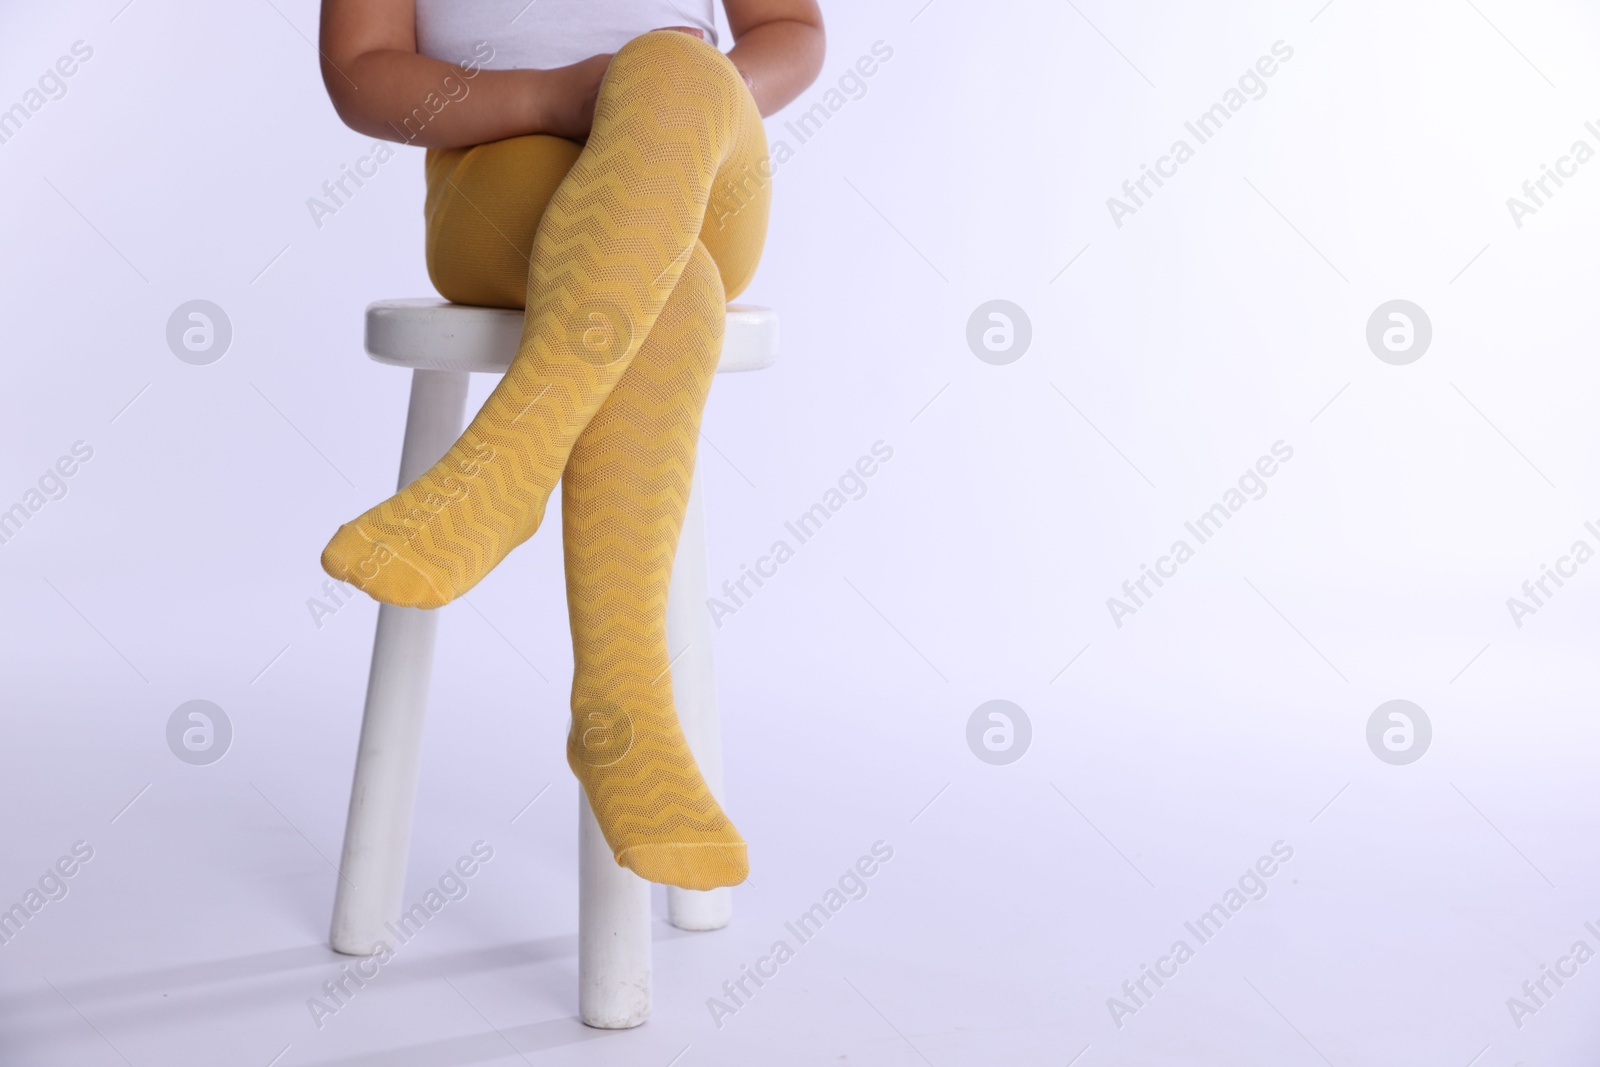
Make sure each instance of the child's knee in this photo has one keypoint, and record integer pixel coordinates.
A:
(679, 52)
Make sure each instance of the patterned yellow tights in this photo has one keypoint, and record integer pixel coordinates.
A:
(624, 253)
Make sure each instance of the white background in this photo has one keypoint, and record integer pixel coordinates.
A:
(1230, 713)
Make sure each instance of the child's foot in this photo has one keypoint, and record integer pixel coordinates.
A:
(438, 537)
(655, 809)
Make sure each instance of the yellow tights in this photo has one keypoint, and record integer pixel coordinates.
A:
(624, 252)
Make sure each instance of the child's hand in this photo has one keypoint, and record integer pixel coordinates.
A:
(572, 93)
(575, 88)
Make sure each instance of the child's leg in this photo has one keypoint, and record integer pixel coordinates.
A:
(483, 208)
(623, 496)
(672, 122)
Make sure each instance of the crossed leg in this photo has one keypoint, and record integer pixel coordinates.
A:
(673, 124)
(628, 266)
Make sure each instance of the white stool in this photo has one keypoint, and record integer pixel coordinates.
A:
(442, 343)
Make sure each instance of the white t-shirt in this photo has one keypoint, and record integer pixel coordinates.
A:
(546, 33)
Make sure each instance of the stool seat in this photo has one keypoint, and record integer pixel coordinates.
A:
(432, 334)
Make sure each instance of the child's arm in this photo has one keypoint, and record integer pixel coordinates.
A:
(378, 81)
(778, 44)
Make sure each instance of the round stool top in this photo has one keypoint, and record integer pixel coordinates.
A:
(435, 334)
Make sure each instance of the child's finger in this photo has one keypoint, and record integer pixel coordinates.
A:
(685, 29)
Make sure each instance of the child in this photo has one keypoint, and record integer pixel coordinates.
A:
(621, 200)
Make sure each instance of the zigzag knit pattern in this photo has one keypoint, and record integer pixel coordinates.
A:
(625, 301)
(672, 119)
(622, 504)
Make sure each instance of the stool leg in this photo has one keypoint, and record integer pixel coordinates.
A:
(694, 691)
(377, 832)
(613, 933)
